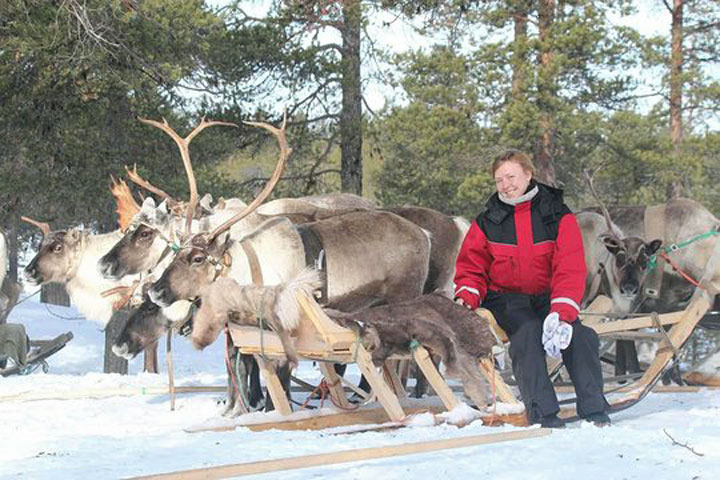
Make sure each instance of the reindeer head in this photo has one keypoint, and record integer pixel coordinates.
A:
(629, 264)
(193, 268)
(144, 327)
(56, 259)
(144, 243)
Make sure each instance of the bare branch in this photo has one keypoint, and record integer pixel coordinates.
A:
(589, 178)
(684, 445)
(668, 6)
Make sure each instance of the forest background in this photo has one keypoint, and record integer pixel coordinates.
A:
(573, 82)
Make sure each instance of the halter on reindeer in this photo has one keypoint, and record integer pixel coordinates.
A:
(656, 260)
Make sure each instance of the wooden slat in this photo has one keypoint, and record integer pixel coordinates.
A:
(335, 385)
(635, 323)
(490, 319)
(502, 391)
(601, 304)
(385, 395)
(332, 333)
(356, 455)
(277, 393)
(391, 378)
(423, 360)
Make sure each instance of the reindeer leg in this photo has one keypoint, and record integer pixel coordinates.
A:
(257, 398)
(231, 392)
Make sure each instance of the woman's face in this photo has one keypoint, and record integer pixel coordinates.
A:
(511, 180)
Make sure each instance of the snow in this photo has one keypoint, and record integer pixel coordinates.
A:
(115, 427)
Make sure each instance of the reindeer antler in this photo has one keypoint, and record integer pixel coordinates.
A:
(285, 152)
(606, 214)
(44, 227)
(127, 207)
(141, 182)
(183, 144)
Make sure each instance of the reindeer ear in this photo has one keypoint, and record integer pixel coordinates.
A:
(73, 236)
(220, 244)
(653, 246)
(611, 242)
(163, 207)
(149, 202)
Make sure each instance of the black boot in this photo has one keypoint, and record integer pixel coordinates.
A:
(599, 419)
(552, 421)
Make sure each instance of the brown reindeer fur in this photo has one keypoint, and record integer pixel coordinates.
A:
(249, 305)
(446, 237)
(460, 337)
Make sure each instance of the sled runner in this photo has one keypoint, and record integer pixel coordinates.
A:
(39, 351)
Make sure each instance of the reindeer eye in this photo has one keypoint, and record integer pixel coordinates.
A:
(197, 259)
(57, 248)
(145, 234)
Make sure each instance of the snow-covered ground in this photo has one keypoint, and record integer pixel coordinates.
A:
(136, 433)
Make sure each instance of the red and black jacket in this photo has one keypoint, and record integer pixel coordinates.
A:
(534, 247)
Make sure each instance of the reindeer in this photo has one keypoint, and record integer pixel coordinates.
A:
(451, 331)
(631, 257)
(70, 257)
(277, 306)
(361, 269)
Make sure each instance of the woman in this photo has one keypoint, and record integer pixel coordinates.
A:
(523, 260)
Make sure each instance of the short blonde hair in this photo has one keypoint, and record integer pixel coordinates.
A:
(515, 156)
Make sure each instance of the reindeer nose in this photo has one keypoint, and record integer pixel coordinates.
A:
(108, 269)
(31, 274)
(158, 295)
(629, 288)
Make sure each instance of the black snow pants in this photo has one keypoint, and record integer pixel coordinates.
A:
(522, 316)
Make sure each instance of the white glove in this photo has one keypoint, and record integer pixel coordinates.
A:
(556, 335)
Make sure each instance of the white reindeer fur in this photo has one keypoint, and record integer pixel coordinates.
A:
(84, 282)
(287, 308)
(278, 246)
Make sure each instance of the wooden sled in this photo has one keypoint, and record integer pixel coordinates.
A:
(320, 339)
(681, 325)
(40, 350)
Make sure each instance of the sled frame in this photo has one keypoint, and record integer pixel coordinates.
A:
(320, 339)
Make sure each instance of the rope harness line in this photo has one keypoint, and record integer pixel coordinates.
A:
(674, 247)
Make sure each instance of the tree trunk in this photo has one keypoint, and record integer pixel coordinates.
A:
(675, 187)
(547, 94)
(113, 363)
(519, 59)
(676, 67)
(150, 362)
(351, 115)
(54, 294)
(12, 244)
